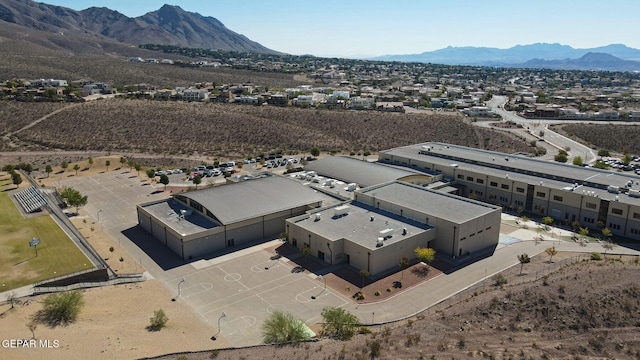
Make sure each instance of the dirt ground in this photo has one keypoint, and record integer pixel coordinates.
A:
(111, 325)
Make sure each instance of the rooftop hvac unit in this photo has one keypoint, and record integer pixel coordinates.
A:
(617, 198)
(634, 193)
(352, 186)
(613, 189)
(341, 210)
(380, 242)
(317, 217)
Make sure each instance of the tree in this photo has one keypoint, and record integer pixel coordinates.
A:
(48, 169)
(627, 158)
(603, 152)
(164, 179)
(551, 252)
(62, 308)
(64, 165)
(548, 220)
(282, 328)
(131, 164)
(606, 233)
(577, 161)
(524, 259)
(315, 151)
(426, 255)
(76, 167)
(524, 219)
(158, 320)
(11, 297)
(404, 263)
(73, 197)
(32, 325)
(151, 174)
(90, 160)
(16, 179)
(138, 167)
(339, 323)
(107, 164)
(608, 246)
(123, 161)
(197, 180)
(584, 232)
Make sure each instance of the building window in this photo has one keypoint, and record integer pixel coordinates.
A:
(464, 238)
(504, 199)
(520, 190)
(616, 211)
(518, 203)
(614, 226)
(590, 205)
(505, 186)
(469, 178)
(472, 235)
(480, 181)
(494, 184)
(541, 194)
(557, 198)
(461, 177)
(636, 215)
(635, 231)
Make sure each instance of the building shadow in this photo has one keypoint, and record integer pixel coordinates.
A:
(157, 251)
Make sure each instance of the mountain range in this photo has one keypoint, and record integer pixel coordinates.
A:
(99, 31)
(615, 57)
(170, 25)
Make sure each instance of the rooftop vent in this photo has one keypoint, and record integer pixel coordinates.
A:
(318, 217)
(380, 242)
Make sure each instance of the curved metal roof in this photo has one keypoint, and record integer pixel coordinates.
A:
(252, 198)
(352, 170)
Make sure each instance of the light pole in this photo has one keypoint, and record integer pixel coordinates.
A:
(223, 315)
(325, 286)
(177, 296)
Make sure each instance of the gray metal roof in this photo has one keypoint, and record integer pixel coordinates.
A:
(252, 198)
(522, 168)
(522, 164)
(357, 226)
(168, 212)
(352, 170)
(453, 208)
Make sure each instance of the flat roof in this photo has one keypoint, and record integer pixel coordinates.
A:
(518, 174)
(168, 211)
(352, 170)
(524, 164)
(356, 225)
(453, 208)
(248, 199)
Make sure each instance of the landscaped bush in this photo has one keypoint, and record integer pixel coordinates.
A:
(499, 280)
(596, 256)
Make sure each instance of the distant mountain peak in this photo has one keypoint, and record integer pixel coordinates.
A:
(169, 25)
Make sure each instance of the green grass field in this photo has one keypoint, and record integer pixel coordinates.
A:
(19, 266)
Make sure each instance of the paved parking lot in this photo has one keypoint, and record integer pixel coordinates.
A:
(246, 285)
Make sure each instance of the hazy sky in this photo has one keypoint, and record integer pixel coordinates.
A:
(351, 28)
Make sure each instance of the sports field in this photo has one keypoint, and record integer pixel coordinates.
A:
(19, 266)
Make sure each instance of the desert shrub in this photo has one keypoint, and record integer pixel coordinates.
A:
(499, 280)
(377, 293)
(62, 308)
(339, 323)
(282, 328)
(158, 320)
(596, 256)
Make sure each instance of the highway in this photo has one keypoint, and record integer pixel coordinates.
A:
(540, 130)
